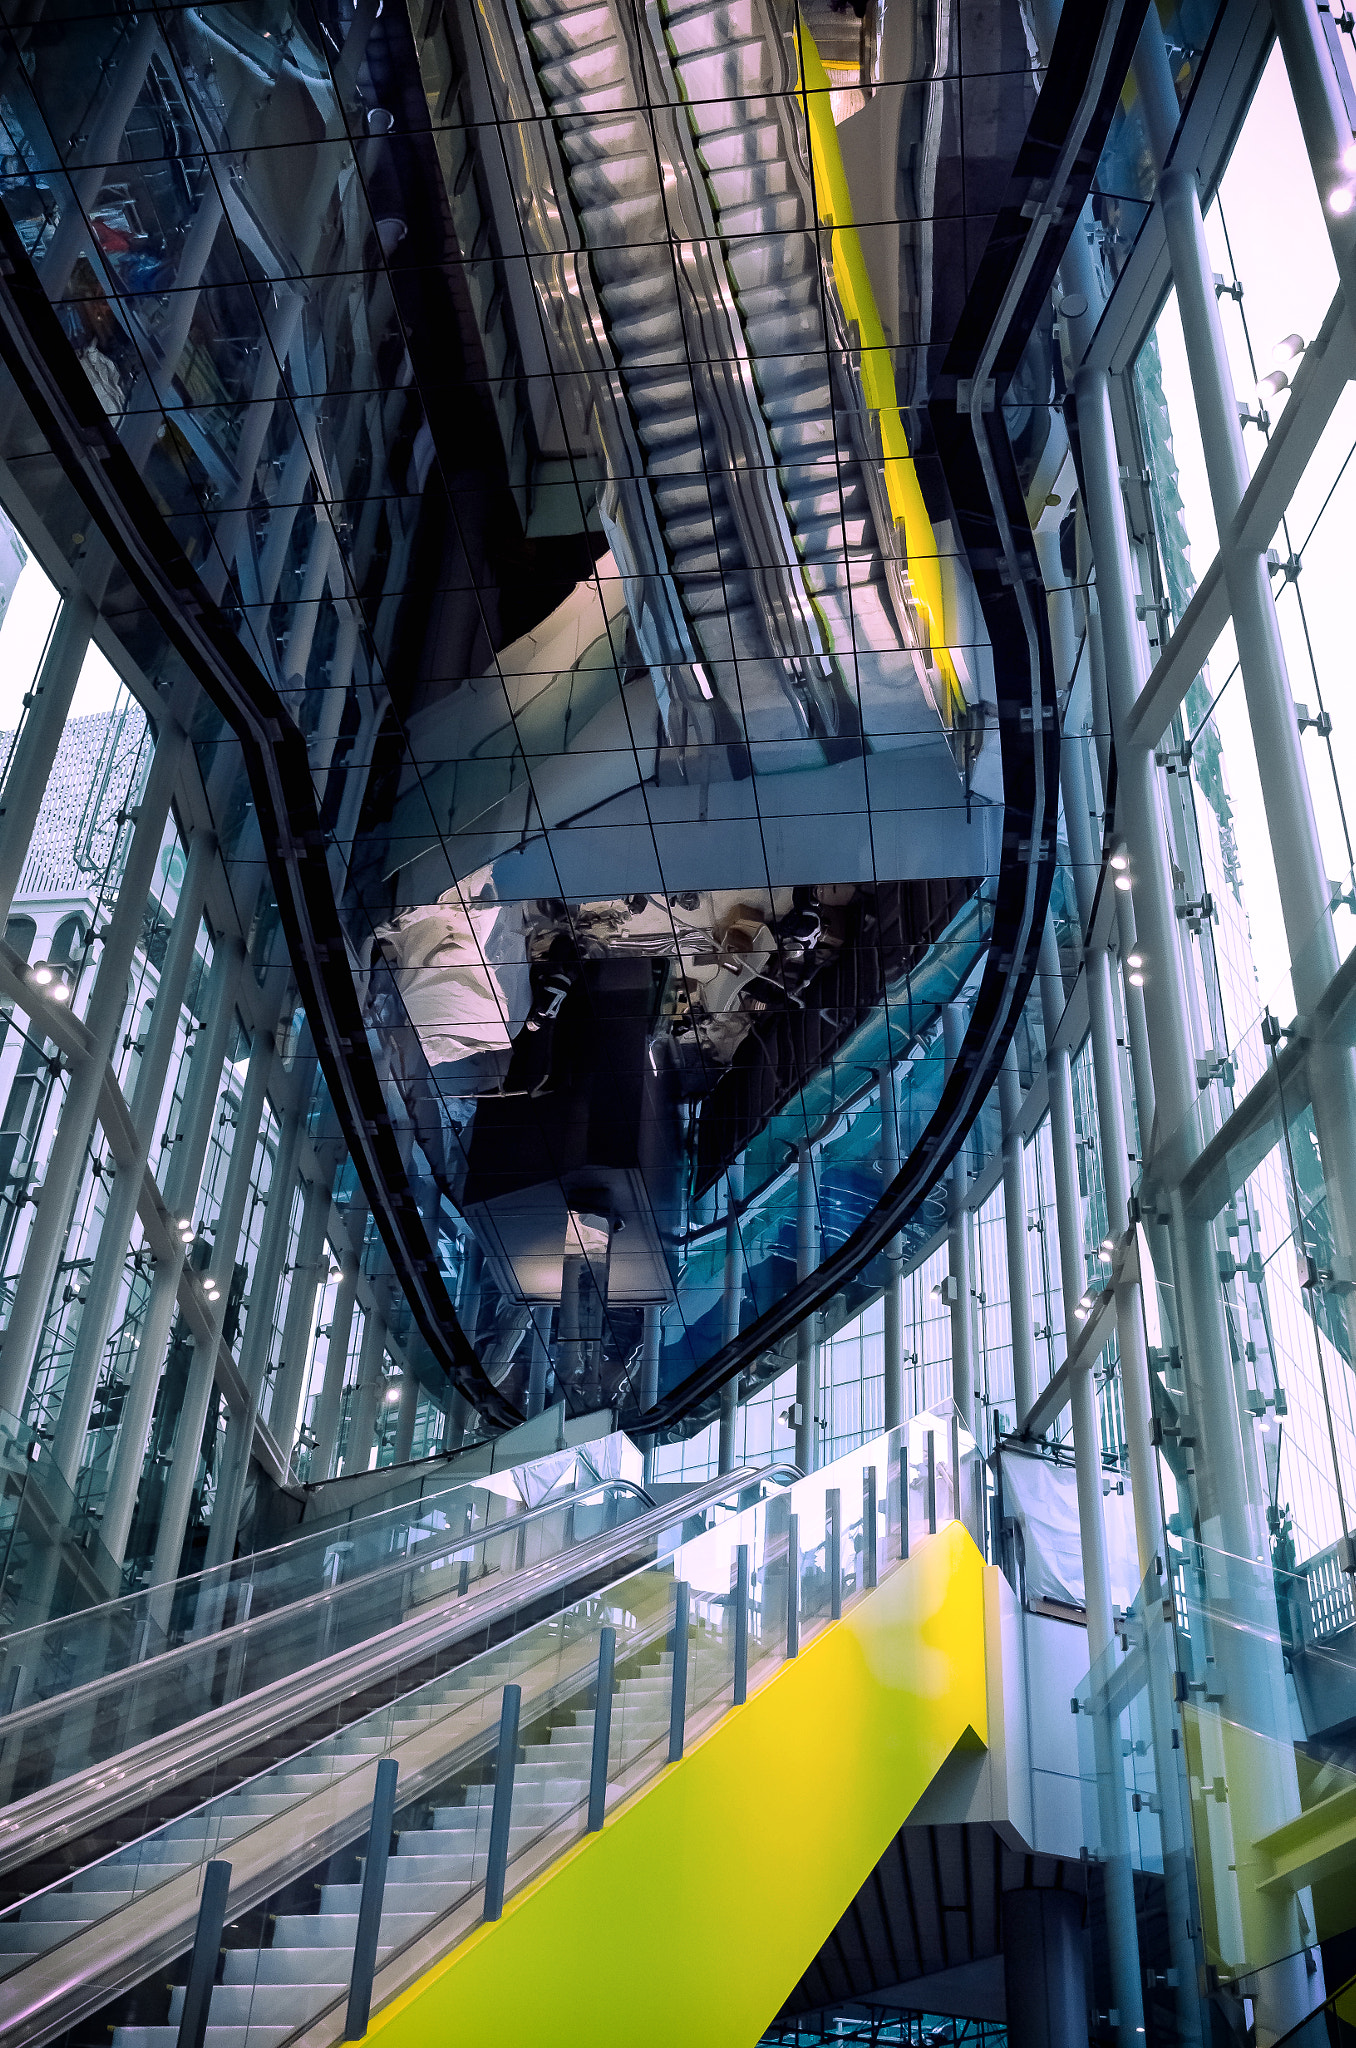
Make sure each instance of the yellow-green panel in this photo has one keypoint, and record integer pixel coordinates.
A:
(693, 1914)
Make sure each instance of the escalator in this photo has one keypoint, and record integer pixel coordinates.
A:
(863, 1669)
(426, 1518)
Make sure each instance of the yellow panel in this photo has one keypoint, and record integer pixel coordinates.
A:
(850, 274)
(693, 1914)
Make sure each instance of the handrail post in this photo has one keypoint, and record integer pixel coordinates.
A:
(955, 1470)
(370, 1903)
(602, 1727)
(869, 1528)
(741, 1641)
(833, 1501)
(932, 1483)
(202, 1967)
(793, 1586)
(678, 1696)
(497, 1867)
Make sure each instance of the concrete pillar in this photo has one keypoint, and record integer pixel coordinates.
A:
(1043, 1976)
(1015, 1229)
(66, 1162)
(107, 1273)
(652, 1332)
(807, 1346)
(731, 1304)
(958, 1250)
(894, 1256)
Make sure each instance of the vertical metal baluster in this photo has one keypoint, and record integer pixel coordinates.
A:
(793, 1586)
(833, 1501)
(202, 1967)
(678, 1696)
(503, 1801)
(741, 1641)
(370, 1903)
(932, 1483)
(602, 1727)
(869, 1527)
(955, 1469)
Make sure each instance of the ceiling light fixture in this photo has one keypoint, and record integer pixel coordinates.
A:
(41, 974)
(1137, 981)
(1120, 860)
(1341, 201)
(1123, 884)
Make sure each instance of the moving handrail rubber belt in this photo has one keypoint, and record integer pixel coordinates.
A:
(234, 1740)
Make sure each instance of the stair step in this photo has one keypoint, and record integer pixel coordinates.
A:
(269, 2005)
(217, 2037)
(337, 1930)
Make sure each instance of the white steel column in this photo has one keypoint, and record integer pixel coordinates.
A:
(79, 1112)
(731, 1303)
(406, 1415)
(202, 1371)
(1292, 827)
(295, 1355)
(336, 1359)
(958, 1250)
(1122, 1933)
(894, 1256)
(40, 736)
(129, 1457)
(807, 1348)
(371, 1387)
(652, 1334)
(1015, 1229)
(107, 1274)
(540, 1365)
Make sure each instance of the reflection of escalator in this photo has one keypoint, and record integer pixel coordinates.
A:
(847, 1722)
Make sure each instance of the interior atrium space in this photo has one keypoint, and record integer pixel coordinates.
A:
(677, 1023)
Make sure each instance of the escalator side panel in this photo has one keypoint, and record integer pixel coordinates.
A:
(695, 1912)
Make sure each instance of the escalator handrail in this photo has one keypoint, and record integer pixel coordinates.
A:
(214, 1640)
(45, 1820)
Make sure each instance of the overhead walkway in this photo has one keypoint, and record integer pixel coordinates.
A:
(863, 1671)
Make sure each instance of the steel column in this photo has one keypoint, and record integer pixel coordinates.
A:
(731, 1305)
(1015, 1230)
(894, 1282)
(807, 1348)
(958, 1247)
